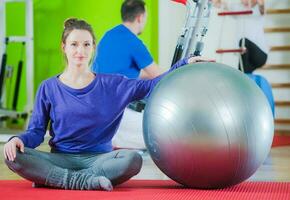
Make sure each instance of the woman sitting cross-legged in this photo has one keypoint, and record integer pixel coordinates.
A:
(84, 111)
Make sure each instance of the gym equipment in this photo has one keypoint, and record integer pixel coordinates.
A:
(243, 12)
(2, 70)
(197, 17)
(259, 80)
(241, 49)
(6, 113)
(207, 125)
(28, 40)
(18, 79)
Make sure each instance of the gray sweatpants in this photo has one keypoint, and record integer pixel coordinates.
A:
(76, 171)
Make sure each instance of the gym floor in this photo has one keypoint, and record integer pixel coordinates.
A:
(275, 168)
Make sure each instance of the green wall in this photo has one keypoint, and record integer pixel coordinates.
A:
(49, 16)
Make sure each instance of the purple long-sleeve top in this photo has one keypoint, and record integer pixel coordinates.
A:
(84, 120)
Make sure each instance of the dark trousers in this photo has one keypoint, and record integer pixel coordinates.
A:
(75, 171)
(253, 58)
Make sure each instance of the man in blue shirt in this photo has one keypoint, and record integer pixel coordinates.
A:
(120, 51)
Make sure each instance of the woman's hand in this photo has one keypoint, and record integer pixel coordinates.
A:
(195, 59)
(11, 147)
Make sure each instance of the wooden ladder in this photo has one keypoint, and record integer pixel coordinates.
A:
(283, 66)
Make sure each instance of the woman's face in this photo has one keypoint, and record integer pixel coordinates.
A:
(78, 48)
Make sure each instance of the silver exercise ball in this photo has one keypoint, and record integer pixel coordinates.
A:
(208, 125)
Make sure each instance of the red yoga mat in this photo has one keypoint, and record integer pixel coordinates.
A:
(148, 189)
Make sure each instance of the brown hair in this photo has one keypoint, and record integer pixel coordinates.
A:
(74, 23)
(131, 9)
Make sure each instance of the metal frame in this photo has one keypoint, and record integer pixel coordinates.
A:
(29, 47)
(190, 42)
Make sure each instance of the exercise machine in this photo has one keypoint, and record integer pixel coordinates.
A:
(190, 41)
(27, 41)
